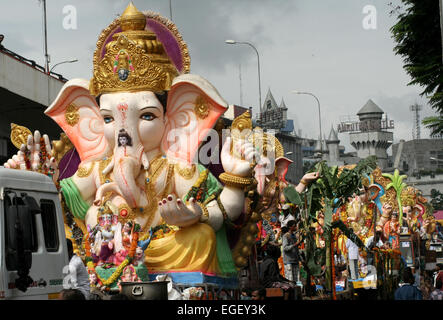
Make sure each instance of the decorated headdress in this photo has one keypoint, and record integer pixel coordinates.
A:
(139, 51)
(408, 196)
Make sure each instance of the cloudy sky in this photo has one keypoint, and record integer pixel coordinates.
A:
(316, 46)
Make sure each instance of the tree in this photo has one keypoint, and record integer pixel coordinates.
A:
(419, 41)
(436, 199)
(327, 194)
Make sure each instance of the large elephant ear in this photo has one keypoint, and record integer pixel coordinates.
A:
(77, 113)
(193, 108)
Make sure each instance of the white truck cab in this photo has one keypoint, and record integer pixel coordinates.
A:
(33, 250)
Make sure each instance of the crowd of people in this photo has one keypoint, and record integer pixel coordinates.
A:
(279, 254)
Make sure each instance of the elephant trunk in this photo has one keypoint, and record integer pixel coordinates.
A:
(129, 156)
(126, 170)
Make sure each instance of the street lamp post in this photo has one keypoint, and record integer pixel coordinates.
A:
(68, 61)
(49, 74)
(258, 64)
(319, 115)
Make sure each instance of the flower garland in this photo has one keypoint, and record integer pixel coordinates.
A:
(116, 274)
(334, 293)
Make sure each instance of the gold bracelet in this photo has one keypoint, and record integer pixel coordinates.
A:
(205, 213)
(303, 181)
(235, 181)
(222, 208)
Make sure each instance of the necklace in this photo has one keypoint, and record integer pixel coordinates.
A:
(154, 171)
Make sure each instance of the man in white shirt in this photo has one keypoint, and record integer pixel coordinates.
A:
(286, 215)
(353, 258)
(79, 277)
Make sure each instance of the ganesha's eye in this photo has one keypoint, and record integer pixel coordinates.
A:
(108, 119)
(148, 116)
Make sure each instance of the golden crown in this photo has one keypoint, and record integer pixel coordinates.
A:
(129, 57)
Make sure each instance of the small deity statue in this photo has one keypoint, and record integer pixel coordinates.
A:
(355, 213)
(128, 275)
(385, 216)
(104, 239)
(429, 226)
(391, 230)
(139, 256)
(122, 240)
(94, 282)
(411, 219)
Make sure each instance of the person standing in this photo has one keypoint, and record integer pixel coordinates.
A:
(371, 243)
(79, 277)
(438, 274)
(285, 215)
(437, 294)
(291, 256)
(352, 257)
(408, 291)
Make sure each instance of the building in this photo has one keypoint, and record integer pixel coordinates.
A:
(420, 156)
(422, 161)
(273, 117)
(26, 90)
(370, 136)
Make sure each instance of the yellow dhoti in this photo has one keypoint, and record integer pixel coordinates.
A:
(191, 249)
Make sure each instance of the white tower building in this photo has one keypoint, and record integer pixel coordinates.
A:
(371, 138)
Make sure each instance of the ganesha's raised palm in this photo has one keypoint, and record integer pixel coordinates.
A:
(233, 163)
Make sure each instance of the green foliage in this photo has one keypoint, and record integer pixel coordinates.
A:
(332, 186)
(436, 199)
(398, 185)
(418, 37)
(326, 194)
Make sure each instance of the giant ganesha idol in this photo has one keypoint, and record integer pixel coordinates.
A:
(137, 126)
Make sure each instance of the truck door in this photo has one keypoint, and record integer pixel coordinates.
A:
(46, 240)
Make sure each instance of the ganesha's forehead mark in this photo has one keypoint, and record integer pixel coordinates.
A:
(123, 108)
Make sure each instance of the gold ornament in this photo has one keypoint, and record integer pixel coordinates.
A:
(102, 166)
(266, 144)
(82, 172)
(205, 213)
(72, 115)
(61, 147)
(19, 135)
(235, 181)
(134, 60)
(125, 213)
(201, 107)
(242, 122)
(157, 167)
(186, 173)
(408, 196)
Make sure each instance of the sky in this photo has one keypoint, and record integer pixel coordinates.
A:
(316, 46)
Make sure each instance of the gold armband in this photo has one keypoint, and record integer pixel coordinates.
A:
(235, 181)
(303, 181)
(205, 212)
(222, 208)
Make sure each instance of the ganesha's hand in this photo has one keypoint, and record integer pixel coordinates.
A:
(235, 164)
(175, 212)
(34, 156)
